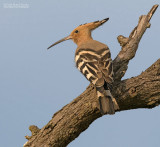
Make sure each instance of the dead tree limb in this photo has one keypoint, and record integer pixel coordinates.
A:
(142, 91)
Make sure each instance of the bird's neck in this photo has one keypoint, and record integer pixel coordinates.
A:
(83, 40)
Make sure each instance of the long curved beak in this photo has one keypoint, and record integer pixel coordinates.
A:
(63, 39)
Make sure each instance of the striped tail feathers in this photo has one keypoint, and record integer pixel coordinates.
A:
(107, 103)
(115, 104)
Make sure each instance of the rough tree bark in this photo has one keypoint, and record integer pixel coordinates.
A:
(142, 91)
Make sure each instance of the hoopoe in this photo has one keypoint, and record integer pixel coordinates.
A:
(93, 59)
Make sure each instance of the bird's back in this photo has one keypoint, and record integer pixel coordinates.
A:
(94, 53)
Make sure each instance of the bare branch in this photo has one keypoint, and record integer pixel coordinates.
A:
(138, 92)
(151, 12)
(130, 45)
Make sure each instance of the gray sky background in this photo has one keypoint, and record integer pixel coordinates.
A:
(35, 83)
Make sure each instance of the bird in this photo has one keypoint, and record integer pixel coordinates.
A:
(93, 60)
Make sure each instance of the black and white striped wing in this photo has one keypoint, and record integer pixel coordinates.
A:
(96, 66)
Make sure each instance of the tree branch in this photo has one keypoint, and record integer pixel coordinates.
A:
(139, 92)
(130, 45)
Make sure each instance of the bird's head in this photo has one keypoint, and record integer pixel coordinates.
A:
(82, 33)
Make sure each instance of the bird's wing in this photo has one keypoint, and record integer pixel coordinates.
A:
(96, 66)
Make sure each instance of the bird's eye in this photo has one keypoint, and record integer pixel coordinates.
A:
(76, 31)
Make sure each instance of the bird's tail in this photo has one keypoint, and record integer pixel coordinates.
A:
(107, 102)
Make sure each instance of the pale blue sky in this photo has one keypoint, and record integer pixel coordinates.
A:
(32, 82)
